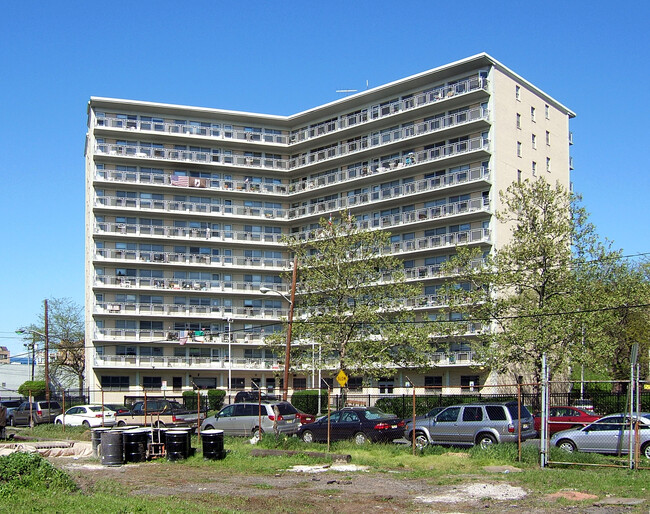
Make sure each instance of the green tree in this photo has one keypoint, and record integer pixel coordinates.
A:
(353, 303)
(520, 289)
(66, 341)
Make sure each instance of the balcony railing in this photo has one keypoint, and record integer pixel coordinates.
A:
(176, 310)
(379, 139)
(188, 285)
(136, 229)
(419, 215)
(340, 149)
(188, 258)
(373, 113)
(132, 361)
(170, 335)
(454, 358)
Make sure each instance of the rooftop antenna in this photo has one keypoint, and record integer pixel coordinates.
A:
(348, 91)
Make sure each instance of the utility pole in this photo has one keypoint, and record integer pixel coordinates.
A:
(47, 358)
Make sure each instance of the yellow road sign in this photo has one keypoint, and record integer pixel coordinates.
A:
(342, 378)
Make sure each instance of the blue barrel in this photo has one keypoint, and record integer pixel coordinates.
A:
(112, 449)
(177, 444)
(135, 445)
(213, 444)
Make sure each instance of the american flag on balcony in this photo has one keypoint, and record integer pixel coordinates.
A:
(180, 180)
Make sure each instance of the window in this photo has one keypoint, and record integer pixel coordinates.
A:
(468, 382)
(448, 415)
(548, 138)
(495, 412)
(547, 111)
(518, 148)
(114, 382)
(534, 168)
(300, 383)
(533, 141)
(433, 381)
(518, 93)
(532, 114)
(518, 120)
(151, 382)
(473, 414)
(548, 164)
(386, 386)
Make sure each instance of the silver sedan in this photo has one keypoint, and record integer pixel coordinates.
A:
(610, 434)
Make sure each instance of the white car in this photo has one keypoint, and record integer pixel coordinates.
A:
(87, 415)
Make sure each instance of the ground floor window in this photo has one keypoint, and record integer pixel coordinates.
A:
(151, 382)
(238, 383)
(433, 381)
(386, 385)
(114, 382)
(299, 383)
(469, 382)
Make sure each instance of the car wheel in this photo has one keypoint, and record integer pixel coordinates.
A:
(257, 433)
(566, 445)
(208, 427)
(86, 423)
(121, 423)
(486, 440)
(59, 422)
(360, 438)
(421, 440)
(12, 422)
(308, 436)
(645, 450)
(159, 424)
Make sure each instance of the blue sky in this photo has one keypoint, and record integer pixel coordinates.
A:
(282, 58)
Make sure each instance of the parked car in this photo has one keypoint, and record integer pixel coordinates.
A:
(305, 418)
(361, 424)
(243, 419)
(564, 418)
(118, 409)
(11, 405)
(40, 413)
(253, 396)
(473, 423)
(609, 434)
(159, 412)
(583, 404)
(87, 415)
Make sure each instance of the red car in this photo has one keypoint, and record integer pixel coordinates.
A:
(564, 418)
(304, 417)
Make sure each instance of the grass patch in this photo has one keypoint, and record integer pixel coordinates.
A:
(20, 471)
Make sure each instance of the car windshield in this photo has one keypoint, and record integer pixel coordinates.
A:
(375, 413)
(286, 408)
(53, 405)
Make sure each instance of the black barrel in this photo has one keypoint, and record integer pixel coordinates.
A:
(112, 448)
(97, 439)
(177, 444)
(213, 444)
(135, 445)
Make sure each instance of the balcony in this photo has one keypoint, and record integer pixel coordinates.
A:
(360, 144)
(173, 284)
(462, 208)
(466, 358)
(174, 206)
(207, 363)
(136, 151)
(172, 336)
(184, 233)
(388, 109)
(376, 140)
(182, 310)
(188, 258)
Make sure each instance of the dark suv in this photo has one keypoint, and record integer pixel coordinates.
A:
(40, 413)
(253, 396)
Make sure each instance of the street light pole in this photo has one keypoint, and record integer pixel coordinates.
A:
(229, 320)
(47, 359)
(292, 302)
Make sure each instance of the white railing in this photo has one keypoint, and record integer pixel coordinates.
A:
(174, 284)
(379, 139)
(187, 258)
(380, 111)
(132, 361)
(170, 335)
(193, 234)
(199, 311)
(462, 358)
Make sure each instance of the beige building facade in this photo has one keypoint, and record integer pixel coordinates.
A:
(186, 207)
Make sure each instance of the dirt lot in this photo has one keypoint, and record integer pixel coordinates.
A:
(325, 489)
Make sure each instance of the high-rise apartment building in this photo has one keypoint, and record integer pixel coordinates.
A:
(186, 206)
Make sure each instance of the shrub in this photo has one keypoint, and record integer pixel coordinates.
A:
(189, 399)
(307, 400)
(30, 470)
(216, 398)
